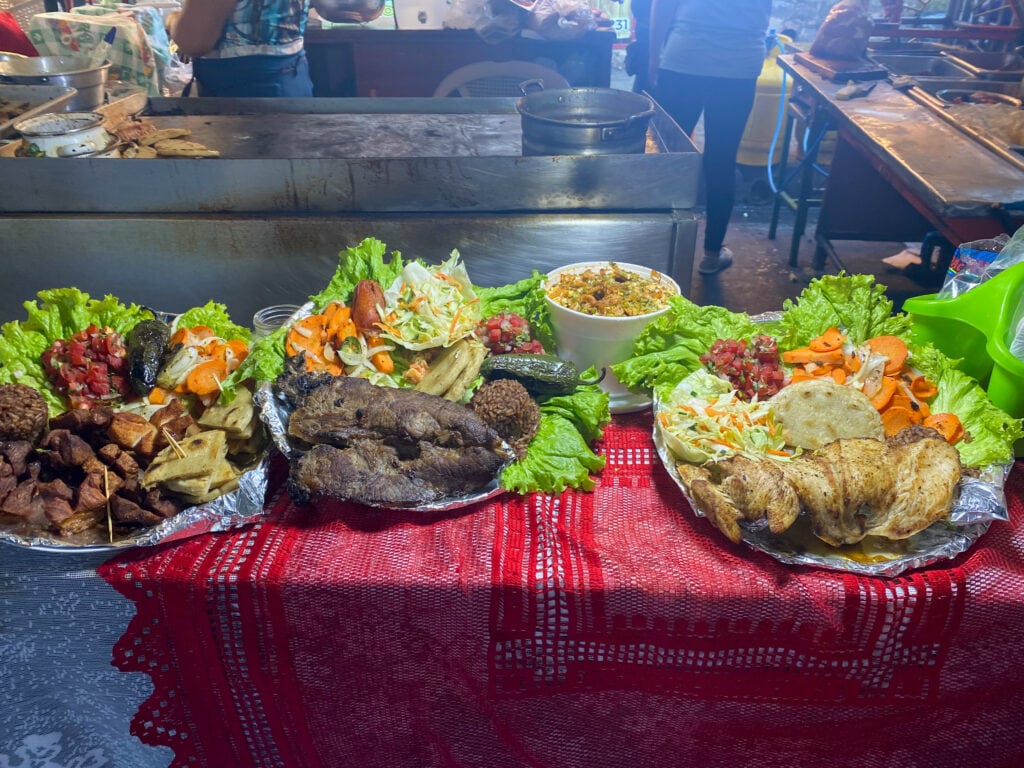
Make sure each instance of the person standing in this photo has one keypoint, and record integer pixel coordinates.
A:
(706, 56)
(243, 48)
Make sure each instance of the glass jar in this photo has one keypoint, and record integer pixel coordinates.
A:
(269, 319)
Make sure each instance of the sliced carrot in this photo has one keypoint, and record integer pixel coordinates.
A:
(946, 424)
(897, 419)
(923, 388)
(886, 389)
(838, 375)
(206, 378)
(801, 374)
(893, 348)
(339, 319)
(851, 363)
(381, 360)
(306, 335)
(830, 340)
(158, 395)
(802, 355)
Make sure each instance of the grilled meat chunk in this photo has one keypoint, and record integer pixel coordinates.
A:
(385, 446)
(349, 409)
(373, 472)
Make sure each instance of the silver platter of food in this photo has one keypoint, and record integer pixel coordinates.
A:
(275, 411)
(236, 509)
(978, 503)
(811, 475)
(115, 432)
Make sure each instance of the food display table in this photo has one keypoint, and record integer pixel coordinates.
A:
(900, 172)
(597, 629)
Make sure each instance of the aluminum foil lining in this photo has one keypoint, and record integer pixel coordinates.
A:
(977, 504)
(232, 510)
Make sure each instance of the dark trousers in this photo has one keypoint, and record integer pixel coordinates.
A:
(726, 104)
(248, 76)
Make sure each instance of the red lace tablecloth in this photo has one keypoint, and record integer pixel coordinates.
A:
(611, 628)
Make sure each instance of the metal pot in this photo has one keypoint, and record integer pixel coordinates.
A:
(584, 121)
(70, 71)
(349, 11)
(67, 134)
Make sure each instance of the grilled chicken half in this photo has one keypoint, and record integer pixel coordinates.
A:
(851, 488)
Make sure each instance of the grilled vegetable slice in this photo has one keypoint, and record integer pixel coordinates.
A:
(540, 374)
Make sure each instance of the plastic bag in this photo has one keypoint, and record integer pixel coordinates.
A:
(844, 33)
(493, 20)
(980, 260)
(562, 19)
(468, 14)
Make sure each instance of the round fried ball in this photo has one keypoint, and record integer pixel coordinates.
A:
(23, 413)
(506, 406)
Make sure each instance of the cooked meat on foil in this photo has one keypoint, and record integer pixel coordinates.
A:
(850, 488)
(384, 446)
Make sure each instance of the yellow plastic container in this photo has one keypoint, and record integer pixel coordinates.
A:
(977, 327)
(764, 117)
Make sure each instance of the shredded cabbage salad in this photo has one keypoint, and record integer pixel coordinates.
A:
(703, 419)
(430, 306)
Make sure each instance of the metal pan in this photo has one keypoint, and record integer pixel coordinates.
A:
(41, 99)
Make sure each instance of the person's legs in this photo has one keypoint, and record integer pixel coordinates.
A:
(726, 110)
(681, 96)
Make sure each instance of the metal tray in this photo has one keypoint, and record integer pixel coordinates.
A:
(43, 99)
(990, 65)
(918, 66)
(925, 94)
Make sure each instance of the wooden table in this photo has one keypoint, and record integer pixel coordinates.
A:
(901, 173)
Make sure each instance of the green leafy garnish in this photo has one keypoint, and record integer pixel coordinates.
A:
(215, 317)
(559, 456)
(59, 313)
(854, 303)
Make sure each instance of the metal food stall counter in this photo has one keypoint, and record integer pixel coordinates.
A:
(298, 180)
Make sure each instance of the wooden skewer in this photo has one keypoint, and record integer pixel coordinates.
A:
(175, 445)
(110, 517)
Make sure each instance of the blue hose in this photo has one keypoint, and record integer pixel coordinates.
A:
(775, 135)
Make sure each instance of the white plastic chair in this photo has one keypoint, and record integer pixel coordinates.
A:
(497, 78)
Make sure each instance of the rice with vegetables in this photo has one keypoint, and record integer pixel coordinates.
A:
(611, 292)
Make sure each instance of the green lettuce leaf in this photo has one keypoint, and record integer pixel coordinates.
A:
(856, 304)
(216, 317)
(362, 262)
(559, 456)
(992, 432)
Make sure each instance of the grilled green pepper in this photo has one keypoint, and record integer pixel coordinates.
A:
(540, 374)
(147, 345)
